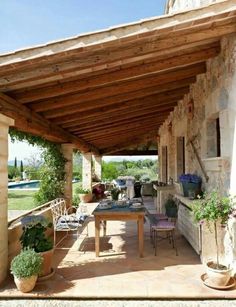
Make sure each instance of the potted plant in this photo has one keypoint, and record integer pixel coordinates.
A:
(191, 184)
(25, 267)
(171, 208)
(214, 208)
(34, 237)
(115, 193)
(85, 195)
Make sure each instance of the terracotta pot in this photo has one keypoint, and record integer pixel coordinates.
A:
(25, 284)
(47, 263)
(218, 277)
(86, 198)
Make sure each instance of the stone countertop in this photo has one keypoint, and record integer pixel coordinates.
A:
(163, 188)
(185, 200)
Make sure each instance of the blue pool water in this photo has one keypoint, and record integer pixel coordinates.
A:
(33, 184)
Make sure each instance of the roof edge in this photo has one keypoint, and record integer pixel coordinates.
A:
(114, 33)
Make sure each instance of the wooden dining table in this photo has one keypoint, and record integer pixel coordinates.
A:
(117, 213)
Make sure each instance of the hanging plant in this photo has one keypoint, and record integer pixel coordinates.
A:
(52, 174)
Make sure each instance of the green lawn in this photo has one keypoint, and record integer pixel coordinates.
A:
(20, 200)
(24, 200)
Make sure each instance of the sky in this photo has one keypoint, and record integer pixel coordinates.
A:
(26, 23)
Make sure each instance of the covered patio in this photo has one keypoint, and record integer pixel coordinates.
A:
(107, 93)
(119, 272)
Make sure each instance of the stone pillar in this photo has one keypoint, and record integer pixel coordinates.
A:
(87, 171)
(67, 151)
(98, 167)
(5, 122)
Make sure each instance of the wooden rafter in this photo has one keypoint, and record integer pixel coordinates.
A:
(123, 118)
(85, 109)
(100, 93)
(129, 73)
(29, 121)
(154, 102)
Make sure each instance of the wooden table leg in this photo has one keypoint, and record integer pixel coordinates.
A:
(140, 235)
(104, 228)
(97, 234)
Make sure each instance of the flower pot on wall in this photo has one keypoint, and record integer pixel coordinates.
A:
(86, 198)
(191, 187)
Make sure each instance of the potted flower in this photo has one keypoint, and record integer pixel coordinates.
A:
(85, 195)
(34, 237)
(25, 267)
(191, 184)
(213, 208)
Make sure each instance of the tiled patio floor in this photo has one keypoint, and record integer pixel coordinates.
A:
(119, 272)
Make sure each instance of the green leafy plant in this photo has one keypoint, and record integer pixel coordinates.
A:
(213, 208)
(171, 208)
(115, 193)
(80, 190)
(52, 174)
(33, 235)
(26, 264)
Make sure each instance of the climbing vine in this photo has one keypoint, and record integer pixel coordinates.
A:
(52, 173)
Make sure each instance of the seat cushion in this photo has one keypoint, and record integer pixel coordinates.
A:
(165, 225)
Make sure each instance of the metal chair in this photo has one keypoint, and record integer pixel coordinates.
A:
(63, 221)
(166, 227)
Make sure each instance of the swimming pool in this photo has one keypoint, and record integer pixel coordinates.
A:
(33, 184)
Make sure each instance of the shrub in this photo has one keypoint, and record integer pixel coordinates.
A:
(26, 264)
(33, 235)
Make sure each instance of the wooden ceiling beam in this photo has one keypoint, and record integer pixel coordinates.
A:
(86, 109)
(28, 121)
(128, 86)
(132, 51)
(128, 138)
(134, 152)
(120, 122)
(152, 101)
(120, 118)
(143, 138)
(135, 72)
(124, 126)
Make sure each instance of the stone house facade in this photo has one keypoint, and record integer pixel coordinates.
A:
(206, 117)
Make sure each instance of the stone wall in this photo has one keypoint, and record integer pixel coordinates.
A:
(212, 96)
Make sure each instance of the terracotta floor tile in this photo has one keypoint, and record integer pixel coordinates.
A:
(119, 272)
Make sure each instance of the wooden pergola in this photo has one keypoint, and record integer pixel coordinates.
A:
(109, 90)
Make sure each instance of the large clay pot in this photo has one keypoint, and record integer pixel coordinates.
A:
(25, 284)
(86, 198)
(218, 277)
(47, 262)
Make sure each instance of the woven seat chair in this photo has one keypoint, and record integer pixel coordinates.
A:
(166, 227)
(153, 220)
(62, 220)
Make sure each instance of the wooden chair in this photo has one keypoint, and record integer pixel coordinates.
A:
(64, 221)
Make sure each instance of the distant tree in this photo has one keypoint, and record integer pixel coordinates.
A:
(34, 161)
(109, 170)
(15, 163)
(21, 166)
